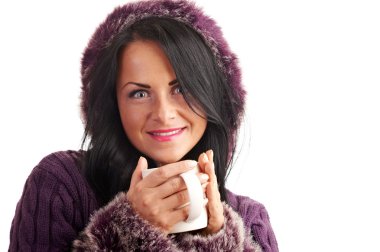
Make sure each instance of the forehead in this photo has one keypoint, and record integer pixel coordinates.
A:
(144, 59)
(143, 51)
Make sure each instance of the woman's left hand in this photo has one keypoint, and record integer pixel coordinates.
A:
(214, 205)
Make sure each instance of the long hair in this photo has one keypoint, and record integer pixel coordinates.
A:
(111, 158)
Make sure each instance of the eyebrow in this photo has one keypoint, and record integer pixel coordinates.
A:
(171, 83)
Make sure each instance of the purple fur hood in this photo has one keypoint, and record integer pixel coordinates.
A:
(181, 10)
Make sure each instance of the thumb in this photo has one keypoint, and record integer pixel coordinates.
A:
(142, 164)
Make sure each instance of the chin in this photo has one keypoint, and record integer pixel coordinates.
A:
(166, 161)
(163, 161)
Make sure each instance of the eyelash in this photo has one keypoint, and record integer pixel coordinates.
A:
(133, 94)
(178, 87)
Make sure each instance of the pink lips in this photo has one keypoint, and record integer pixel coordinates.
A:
(166, 135)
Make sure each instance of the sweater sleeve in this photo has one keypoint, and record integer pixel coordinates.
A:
(48, 216)
(116, 227)
(232, 237)
(256, 219)
(262, 230)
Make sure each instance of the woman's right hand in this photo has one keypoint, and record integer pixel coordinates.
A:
(157, 197)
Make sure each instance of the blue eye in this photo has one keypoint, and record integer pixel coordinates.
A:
(138, 94)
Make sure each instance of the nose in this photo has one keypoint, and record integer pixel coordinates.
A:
(164, 109)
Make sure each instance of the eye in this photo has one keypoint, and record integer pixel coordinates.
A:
(138, 94)
(178, 90)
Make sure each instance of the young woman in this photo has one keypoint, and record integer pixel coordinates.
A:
(160, 89)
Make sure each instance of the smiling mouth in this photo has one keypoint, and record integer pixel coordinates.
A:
(166, 135)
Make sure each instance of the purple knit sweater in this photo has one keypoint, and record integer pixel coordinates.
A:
(58, 211)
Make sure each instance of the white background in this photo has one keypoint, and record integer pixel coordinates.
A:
(311, 141)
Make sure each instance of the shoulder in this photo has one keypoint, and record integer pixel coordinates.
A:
(245, 205)
(53, 163)
(62, 165)
(57, 188)
(60, 170)
(55, 204)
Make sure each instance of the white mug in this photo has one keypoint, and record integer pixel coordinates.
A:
(197, 218)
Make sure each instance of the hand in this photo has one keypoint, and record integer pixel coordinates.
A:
(214, 204)
(157, 197)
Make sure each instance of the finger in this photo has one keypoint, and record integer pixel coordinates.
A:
(142, 164)
(170, 187)
(212, 190)
(204, 187)
(210, 171)
(203, 177)
(202, 161)
(215, 212)
(172, 217)
(178, 215)
(214, 177)
(210, 155)
(176, 184)
(165, 172)
(177, 200)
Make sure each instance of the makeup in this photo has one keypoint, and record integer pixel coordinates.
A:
(166, 135)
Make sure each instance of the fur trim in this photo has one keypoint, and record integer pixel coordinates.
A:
(232, 237)
(116, 227)
(180, 10)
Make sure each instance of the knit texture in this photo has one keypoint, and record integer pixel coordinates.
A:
(57, 203)
(256, 218)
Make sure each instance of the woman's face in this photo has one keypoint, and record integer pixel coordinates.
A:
(153, 111)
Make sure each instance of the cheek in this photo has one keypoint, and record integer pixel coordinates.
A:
(197, 115)
(197, 119)
(132, 119)
(194, 109)
(202, 124)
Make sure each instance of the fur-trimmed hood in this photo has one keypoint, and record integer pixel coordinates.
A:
(181, 10)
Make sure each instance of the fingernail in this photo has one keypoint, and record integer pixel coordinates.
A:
(191, 163)
(204, 185)
(204, 177)
(204, 157)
